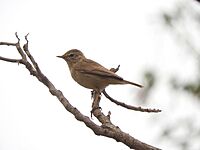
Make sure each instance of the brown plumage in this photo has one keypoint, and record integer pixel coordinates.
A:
(89, 73)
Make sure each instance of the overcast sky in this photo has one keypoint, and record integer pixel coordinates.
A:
(111, 32)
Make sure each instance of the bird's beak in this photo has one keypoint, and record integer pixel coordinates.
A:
(60, 56)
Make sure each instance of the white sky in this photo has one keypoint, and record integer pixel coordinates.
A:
(111, 32)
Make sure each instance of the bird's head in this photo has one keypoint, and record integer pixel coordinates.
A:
(72, 56)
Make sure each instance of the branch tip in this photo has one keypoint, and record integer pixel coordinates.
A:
(115, 69)
(26, 37)
(17, 37)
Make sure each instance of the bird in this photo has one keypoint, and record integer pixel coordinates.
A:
(91, 74)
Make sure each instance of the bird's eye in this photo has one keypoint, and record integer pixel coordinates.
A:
(71, 55)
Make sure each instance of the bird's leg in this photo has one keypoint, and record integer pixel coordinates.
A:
(92, 94)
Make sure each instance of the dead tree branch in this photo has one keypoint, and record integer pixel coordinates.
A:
(107, 129)
(149, 110)
(125, 105)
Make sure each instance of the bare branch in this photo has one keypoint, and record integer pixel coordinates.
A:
(19, 47)
(96, 110)
(107, 129)
(25, 48)
(26, 37)
(125, 105)
(115, 69)
(114, 131)
(17, 37)
(129, 106)
(7, 43)
(10, 60)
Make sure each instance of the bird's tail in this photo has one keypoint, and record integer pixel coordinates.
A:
(128, 82)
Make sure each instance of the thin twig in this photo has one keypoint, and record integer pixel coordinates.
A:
(25, 48)
(19, 48)
(17, 37)
(115, 69)
(129, 106)
(7, 43)
(10, 60)
(26, 37)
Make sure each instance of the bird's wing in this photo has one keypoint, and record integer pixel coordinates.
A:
(93, 68)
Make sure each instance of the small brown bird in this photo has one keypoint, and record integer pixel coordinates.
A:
(91, 74)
